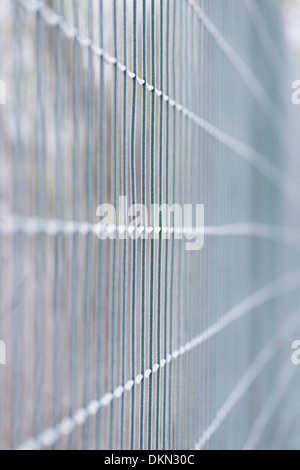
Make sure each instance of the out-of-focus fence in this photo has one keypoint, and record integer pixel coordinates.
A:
(140, 343)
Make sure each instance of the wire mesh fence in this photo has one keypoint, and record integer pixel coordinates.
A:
(139, 343)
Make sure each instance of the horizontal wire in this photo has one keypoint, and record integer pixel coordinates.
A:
(10, 225)
(262, 360)
(268, 44)
(51, 435)
(246, 74)
(243, 70)
(32, 226)
(283, 382)
(259, 161)
(53, 18)
(264, 35)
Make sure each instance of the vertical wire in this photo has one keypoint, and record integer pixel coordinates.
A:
(207, 148)
(143, 195)
(125, 243)
(201, 193)
(207, 306)
(216, 182)
(198, 59)
(192, 200)
(233, 281)
(76, 204)
(166, 241)
(101, 191)
(198, 200)
(180, 260)
(59, 241)
(159, 262)
(40, 260)
(152, 200)
(17, 381)
(194, 260)
(114, 184)
(133, 201)
(89, 241)
(186, 193)
(190, 260)
(174, 178)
